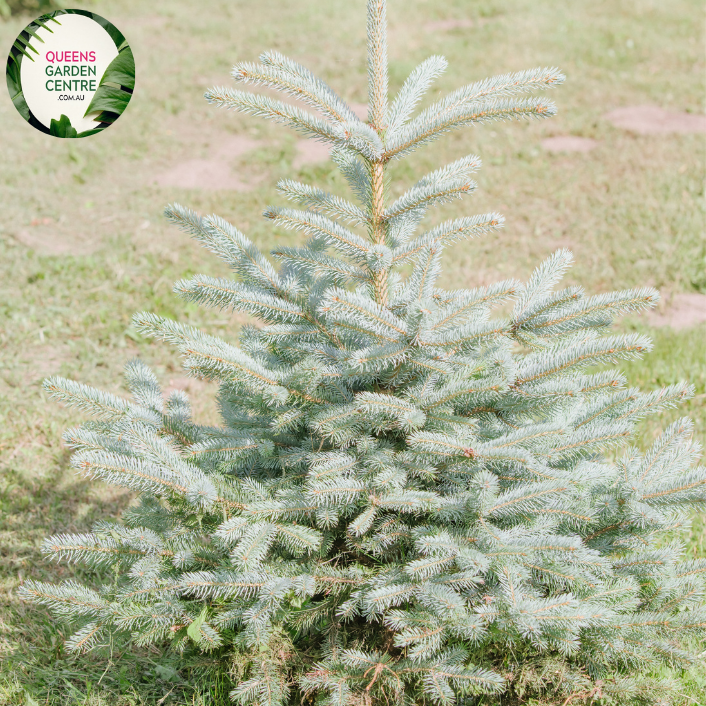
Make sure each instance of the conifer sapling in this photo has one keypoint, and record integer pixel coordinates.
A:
(408, 500)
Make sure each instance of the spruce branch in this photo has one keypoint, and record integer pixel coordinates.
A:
(408, 499)
(420, 131)
(377, 63)
(264, 107)
(282, 74)
(413, 90)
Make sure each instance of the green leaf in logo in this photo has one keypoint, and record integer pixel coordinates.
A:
(115, 88)
(121, 70)
(62, 127)
(14, 86)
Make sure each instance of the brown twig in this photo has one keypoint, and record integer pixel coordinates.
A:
(596, 691)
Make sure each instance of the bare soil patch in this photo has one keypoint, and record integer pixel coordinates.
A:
(447, 25)
(211, 173)
(36, 363)
(44, 241)
(148, 21)
(653, 120)
(569, 143)
(310, 152)
(46, 237)
(206, 174)
(202, 397)
(46, 361)
(315, 152)
(681, 311)
(360, 109)
(189, 385)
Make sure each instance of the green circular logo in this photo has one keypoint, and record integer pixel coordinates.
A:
(70, 73)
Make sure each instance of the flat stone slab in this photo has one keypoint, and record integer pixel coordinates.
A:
(653, 120)
(569, 143)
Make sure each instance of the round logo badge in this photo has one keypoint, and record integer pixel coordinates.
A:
(70, 73)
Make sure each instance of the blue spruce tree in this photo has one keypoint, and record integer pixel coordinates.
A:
(409, 500)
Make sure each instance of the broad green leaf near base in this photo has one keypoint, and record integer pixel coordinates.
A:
(62, 128)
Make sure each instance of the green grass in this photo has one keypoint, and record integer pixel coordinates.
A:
(631, 210)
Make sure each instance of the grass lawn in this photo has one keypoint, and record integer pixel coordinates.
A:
(83, 244)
